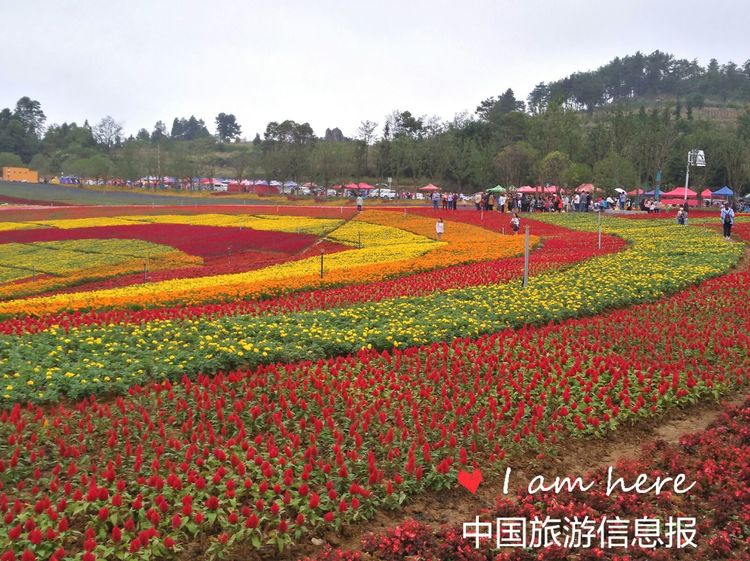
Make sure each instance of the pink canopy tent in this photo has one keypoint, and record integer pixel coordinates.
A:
(553, 189)
(586, 188)
(679, 192)
(430, 187)
(352, 186)
(527, 189)
(636, 192)
(706, 194)
(365, 186)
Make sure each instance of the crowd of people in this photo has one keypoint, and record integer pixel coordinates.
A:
(448, 201)
(561, 202)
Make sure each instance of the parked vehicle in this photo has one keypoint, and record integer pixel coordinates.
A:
(384, 193)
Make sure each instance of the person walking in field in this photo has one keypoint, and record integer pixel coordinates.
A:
(360, 202)
(727, 220)
(440, 228)
(515, 223)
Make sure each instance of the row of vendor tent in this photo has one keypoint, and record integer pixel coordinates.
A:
(679, 192)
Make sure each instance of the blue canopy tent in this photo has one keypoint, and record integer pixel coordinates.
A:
(723, 192)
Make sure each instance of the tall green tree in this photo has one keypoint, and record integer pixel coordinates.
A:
(227, 127)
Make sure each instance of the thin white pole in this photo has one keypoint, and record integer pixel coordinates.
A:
(526, 259)
(687, 178)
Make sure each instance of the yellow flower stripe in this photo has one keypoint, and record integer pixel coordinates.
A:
(298, 224)
(166, 261)
(70, 223)
(8, 274)
(7, 226)
(62, 257)
(466, 243)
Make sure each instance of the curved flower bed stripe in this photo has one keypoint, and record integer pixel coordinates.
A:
(296, 224)
(170, 261)
(263, 456)
(45, 214)
(222, 265)
(387, 252)
(59, 258)
(201, 240)
(227, 286)
(663, 259)
(561, 247)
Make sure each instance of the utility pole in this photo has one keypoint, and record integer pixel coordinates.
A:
(695, 158)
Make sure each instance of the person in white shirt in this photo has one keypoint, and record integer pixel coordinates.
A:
(576, 202)
(501, 203)
(360, 202)
(727, 220)
(439, 228)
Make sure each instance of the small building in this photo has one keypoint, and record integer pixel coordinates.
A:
(24, 175)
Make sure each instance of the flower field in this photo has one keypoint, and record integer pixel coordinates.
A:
(211, 416)
(382, 250)
(712, 458)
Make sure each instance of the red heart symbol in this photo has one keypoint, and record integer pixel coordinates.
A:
(470, 480)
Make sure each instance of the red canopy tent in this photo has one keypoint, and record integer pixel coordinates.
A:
(706, 194)
(527, 189)
(586, 188)
(352, 186)
(365, 186)
(636, 192)
(430, 187)
(679, 192)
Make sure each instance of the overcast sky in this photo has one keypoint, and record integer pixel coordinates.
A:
(329, 62)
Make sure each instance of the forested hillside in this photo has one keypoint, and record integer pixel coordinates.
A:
(616, 126)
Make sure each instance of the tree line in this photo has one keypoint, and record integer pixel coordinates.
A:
(624, 125)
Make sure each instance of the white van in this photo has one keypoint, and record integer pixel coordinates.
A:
(384, 193)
